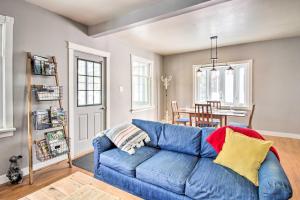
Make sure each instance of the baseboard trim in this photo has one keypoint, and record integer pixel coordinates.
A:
(280, 134)
(37, 166)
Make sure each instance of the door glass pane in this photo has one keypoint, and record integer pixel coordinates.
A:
(97, 97)
(229, 86)
(90, 85)
(90, 68)
(97, 86)
(97, 80)
(81, 82)
(97, 69)
(81, 67)
(90, 98)
(81, 98)
(214, 85)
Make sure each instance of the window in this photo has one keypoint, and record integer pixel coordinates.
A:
(141, 95)
(6, 70)
(89, 87)
(232, 87)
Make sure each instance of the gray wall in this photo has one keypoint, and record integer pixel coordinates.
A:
(276, 79)
(45, 33)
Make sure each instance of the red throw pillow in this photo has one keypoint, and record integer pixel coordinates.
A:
(217, 138)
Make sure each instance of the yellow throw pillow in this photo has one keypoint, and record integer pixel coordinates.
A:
(243, 154)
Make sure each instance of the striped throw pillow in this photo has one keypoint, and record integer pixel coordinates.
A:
(127, 137)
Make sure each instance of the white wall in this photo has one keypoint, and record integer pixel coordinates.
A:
(44, 33)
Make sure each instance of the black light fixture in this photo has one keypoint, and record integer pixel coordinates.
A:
(213, 51)
(230, 68)
(214, 56)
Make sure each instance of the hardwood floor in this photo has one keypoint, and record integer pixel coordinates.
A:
(289, 151)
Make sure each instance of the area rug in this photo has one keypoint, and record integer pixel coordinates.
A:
(91, 193)
(85, 162)
(79, 186)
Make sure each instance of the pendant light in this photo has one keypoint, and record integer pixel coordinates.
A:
(230, 68)
(214, 56)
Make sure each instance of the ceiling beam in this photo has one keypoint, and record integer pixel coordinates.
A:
(163, 9)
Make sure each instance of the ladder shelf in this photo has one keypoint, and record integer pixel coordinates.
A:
(31, 132)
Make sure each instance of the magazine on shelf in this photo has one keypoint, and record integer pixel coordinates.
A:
(43, 66)
(57, 116)
(57, 142)
(49, 69)
(41, 119)
(43, 150)
(38, 64)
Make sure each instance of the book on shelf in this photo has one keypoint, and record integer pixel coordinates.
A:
(57, 142)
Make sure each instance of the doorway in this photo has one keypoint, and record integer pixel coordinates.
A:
(88, 96)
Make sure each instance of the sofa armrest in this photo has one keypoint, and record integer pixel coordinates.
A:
(101, 143)
(273, 182)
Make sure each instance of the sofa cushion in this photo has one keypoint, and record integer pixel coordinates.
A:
(167, 169)
(127, 137)
(207, 151)
(184, 139)
(211, 181)
(217, 138)
(153, 129)
(125, 163)
(243, 154)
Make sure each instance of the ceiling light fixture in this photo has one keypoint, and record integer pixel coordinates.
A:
(214, 56)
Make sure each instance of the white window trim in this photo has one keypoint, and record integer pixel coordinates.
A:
(7, 76)
(250, 98)
(148, 107)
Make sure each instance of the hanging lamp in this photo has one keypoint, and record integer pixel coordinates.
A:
(214, 56)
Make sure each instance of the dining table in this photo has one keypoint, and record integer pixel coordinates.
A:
(222, 114)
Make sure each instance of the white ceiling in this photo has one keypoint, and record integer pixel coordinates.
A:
(91, 12)
(235, 22)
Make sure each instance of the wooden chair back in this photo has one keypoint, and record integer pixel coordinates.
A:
(215, 104)
(203, 115)
(175, 113)
(251, 116)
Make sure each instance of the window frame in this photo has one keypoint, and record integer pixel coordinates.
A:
(93, 76)
(6, 73)
(248, 82)
(150, 106)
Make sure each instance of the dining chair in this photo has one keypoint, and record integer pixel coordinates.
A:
(176, 119)
(203, 116)
(215, 104)
(242, 125)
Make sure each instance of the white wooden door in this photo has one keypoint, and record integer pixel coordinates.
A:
(89, 90)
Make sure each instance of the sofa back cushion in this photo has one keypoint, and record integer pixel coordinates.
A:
(153, 129)
(182, 139)
(207, 151)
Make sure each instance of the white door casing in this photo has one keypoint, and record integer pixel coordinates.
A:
(72, 47)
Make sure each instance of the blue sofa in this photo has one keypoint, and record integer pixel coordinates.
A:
(178, 165)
